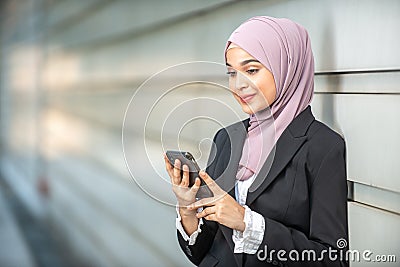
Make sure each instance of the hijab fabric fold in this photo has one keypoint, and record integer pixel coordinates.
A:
(284, 48)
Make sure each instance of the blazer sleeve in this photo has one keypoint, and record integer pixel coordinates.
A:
(328, 217)
(199, 249)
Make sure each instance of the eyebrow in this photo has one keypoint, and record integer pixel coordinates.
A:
(244, 62)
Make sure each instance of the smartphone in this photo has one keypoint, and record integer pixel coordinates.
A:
(186, 158)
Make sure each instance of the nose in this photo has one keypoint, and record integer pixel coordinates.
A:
(241, 81)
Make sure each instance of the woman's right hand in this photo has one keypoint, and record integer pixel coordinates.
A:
(185, 195)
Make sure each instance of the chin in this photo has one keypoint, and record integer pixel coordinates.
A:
(247, 109)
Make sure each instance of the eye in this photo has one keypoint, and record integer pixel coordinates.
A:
(231, 73)
(252, 71)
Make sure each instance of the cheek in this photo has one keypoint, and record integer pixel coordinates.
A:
(268, 91)
(237, 98)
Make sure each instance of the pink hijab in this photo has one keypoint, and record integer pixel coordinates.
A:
(284, 48)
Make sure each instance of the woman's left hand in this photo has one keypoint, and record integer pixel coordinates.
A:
(221, 208)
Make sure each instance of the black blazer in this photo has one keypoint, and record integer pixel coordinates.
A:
(303, 197)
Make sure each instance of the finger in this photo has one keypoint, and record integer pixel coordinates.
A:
(202, 202)
(210, 183)
(177, 171)
(168, 165)
(211, 217)
(176, 178)
(185, 177)
(170, 170)
(196, 186)
(205, 212)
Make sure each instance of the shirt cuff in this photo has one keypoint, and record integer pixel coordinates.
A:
(186, 237)
(251, 238)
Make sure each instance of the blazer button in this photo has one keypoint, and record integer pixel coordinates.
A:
(188, 251)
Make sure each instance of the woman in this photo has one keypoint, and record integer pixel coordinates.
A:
(286, 203)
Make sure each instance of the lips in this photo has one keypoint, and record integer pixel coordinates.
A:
(246, 98)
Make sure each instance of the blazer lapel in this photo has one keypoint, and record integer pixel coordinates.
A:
(237, 136)
(286, 147)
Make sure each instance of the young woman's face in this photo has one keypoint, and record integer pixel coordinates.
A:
(252, 85)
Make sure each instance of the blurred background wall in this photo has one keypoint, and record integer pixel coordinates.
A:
(69, 68)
